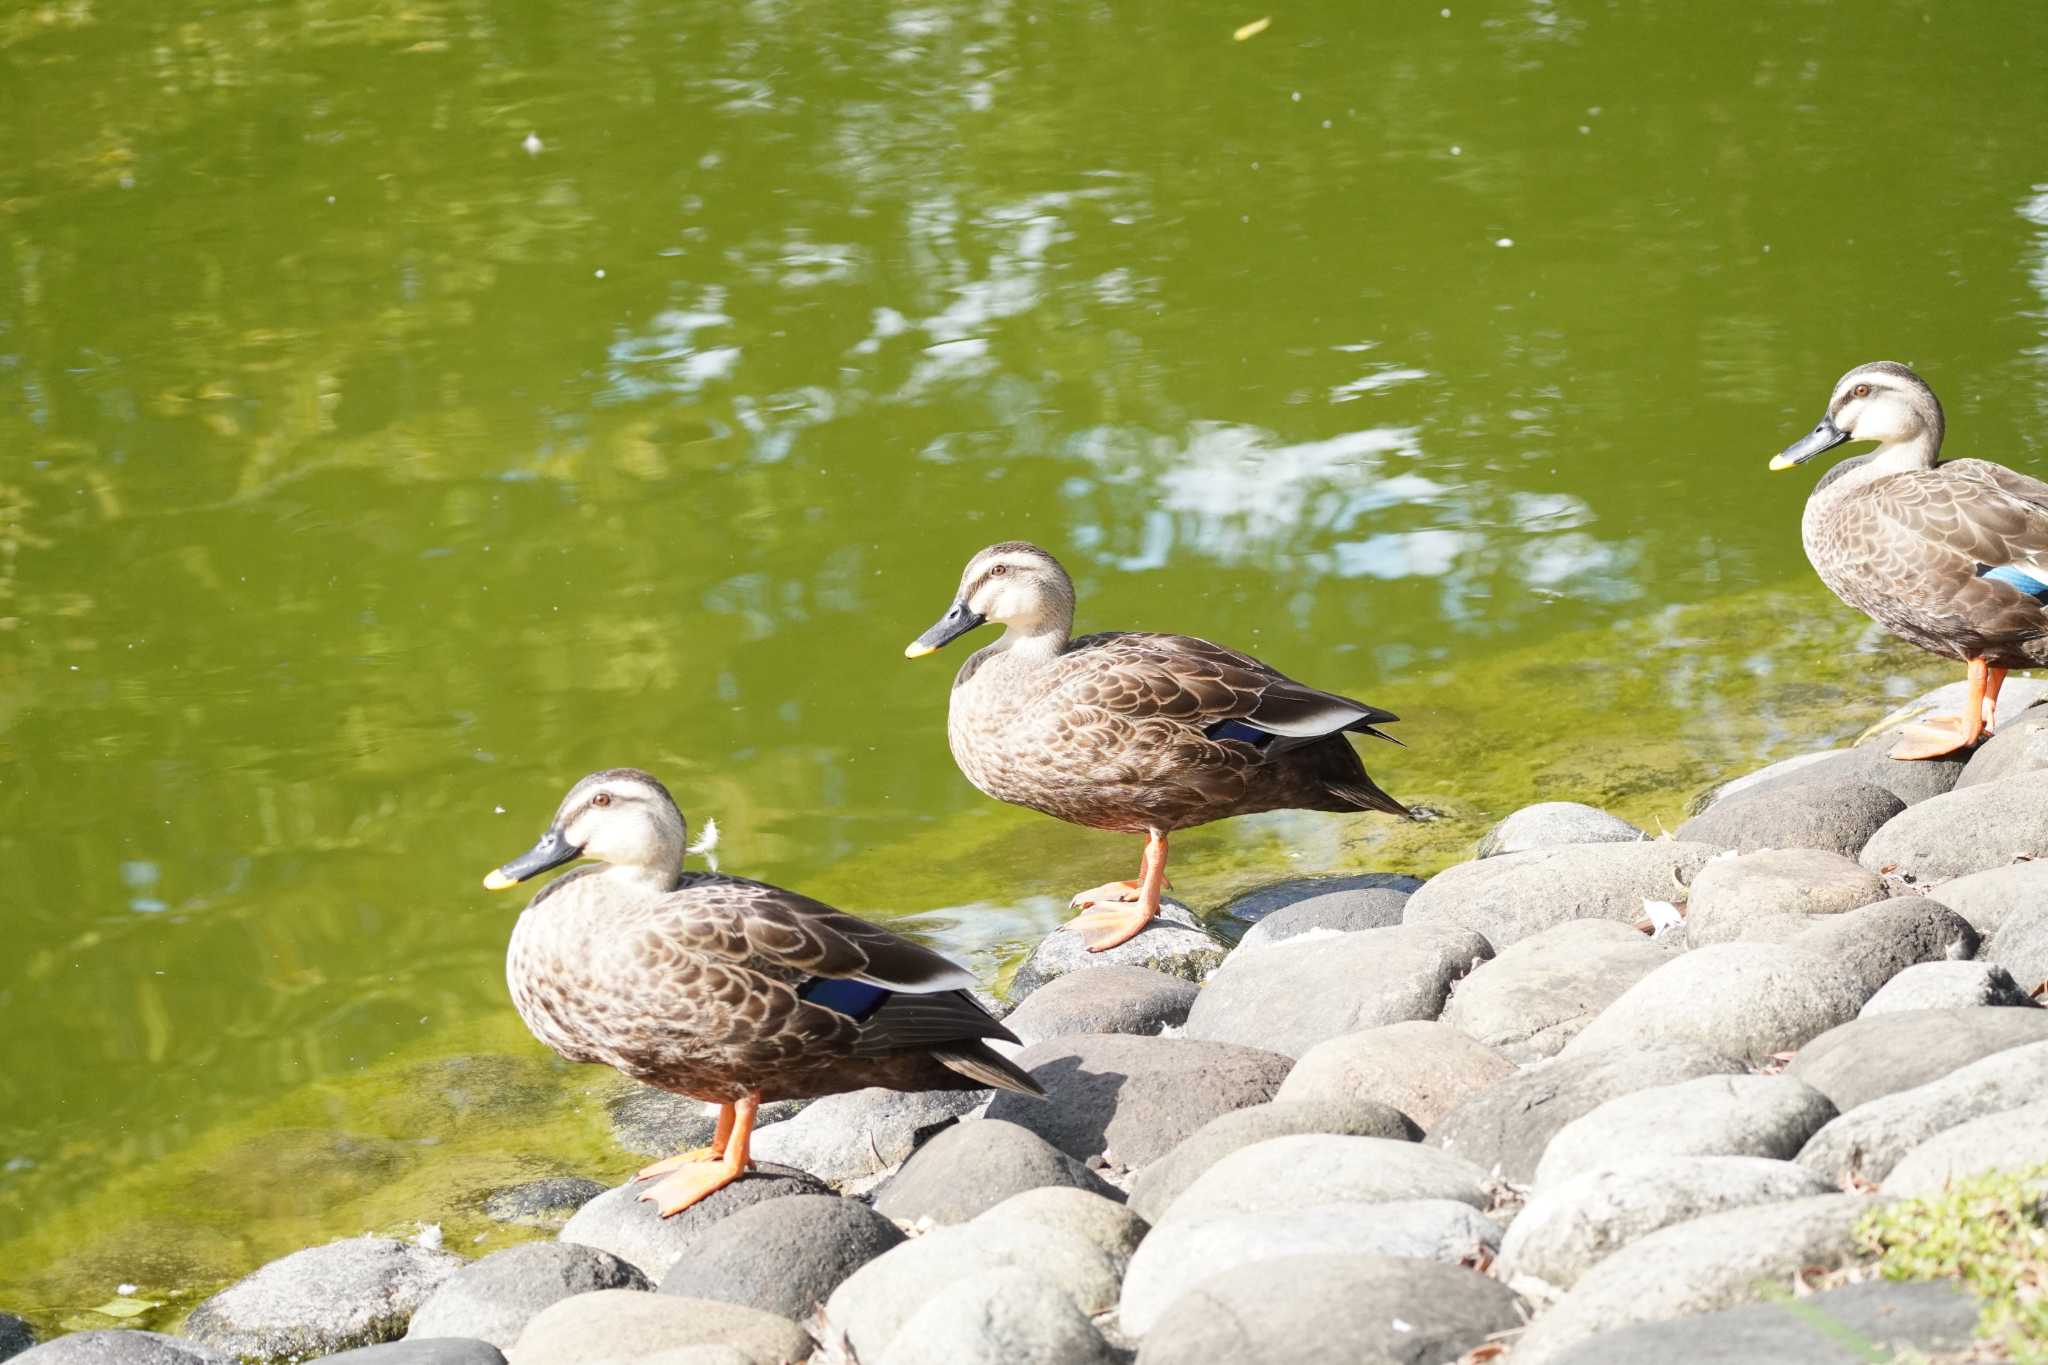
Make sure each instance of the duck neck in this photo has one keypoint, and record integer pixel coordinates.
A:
(1037, 643)
(1902, 457)
(652, 878)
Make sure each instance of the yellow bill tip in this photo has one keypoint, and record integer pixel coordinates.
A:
(1779, 464)
(497, 880)
(917, 649)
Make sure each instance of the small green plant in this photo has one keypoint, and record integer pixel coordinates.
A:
(1990, 1232)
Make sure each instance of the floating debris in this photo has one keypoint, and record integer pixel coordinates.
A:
(532, 144)
(1253, 29)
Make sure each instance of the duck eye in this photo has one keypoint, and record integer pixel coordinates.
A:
(1862, 390)
(601, 799)
(998, 571)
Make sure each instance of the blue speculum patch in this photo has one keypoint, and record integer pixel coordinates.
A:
(855, 999)
(1237, 730)
(2018, 578)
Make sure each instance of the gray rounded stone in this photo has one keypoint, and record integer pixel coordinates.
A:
(1872, 1057)
(2020, 693)
(1291, 995)
(1106, 999)
(1174, 944)
(1548, 824)
(1876, 943)
(492, 1299)
(1114, 1229)
(650, 1122)
(547, 1203)
(630, 1228)
(1286, 1174)
(1134, 1098)
(976, 1165)
(1368, 900)
(1733, 787)
(2021, 946)
(1421, 1068)
(1697, 1266)
(845, 1139)
(1007, 1315)
(785, 1256)
(1840, 819)
(122, 1348)
(1767, 1116)
(1868, 764)
(1573, 1225)
(1184, 1253)
(1947, 985)
(1867, 1142)
(15, 1336)
(1506, 1127)
(614, 1325)
(1914, 1320)
(1157, 1185)
(1730, 896)
(2019, 747)
(322, 1300)
(1511, 897)
(425, 1351)
(2009, 1140)
(1332, 1310)
(1988, 898)
(1746, 1000)
(1535, 996)
(1968, 830)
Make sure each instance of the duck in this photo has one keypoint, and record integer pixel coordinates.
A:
(1134, 732)
(729, 991)
(1951, 555)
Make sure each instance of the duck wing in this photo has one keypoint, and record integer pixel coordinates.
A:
(1981, 532)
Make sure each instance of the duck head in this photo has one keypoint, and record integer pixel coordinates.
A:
(1015, 584)
(1883, 402)
(620, 816)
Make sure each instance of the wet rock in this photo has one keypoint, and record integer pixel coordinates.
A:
(2019, 747)
(1968, 830)
(1369, 900)
(2021, 946)
(122, 1348)
(1332, 1310)
(1135, 1097)
(785, 1256)
(1907, 1320)
(878, 1300)
(1731, 895)
(1160, 1183)
(843, 1139)
(1508, 898)
(1549, 824)
(1572, 1225)
(1174, 944)
(1746, 1000)
(1872, 1057)
(492, 1299)
(2010, 1140)
(15, 1336)
(1839, 818)
(322, 1300)
(1290, 996)
(1535, 996)
(1008, 1315)
(545, 1203)
(650, 1122)
(629, 1227)
(614, 1325)
(1986, 899)
(975, 1166)
(1947, 985)
(1735, 786)
(1876, 943)
(1766, 1116)
(1869, 765)
(1697, 1266)
(425, 1351)
(1108, 999)
(1868, 1141)
(1421, 1068)
(1114, 1229)
(1287, 1174)
(1507, 1126)
(1186, 1252)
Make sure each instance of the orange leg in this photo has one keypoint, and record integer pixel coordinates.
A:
(1118, 911)
(719, 1138)
(688, 1184)
(1940, 736)
(1992, 683)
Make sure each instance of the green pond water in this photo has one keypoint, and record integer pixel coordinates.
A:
(405, 409)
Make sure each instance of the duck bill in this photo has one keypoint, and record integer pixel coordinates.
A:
(1824, 437)
(552, 851)
(958, 620)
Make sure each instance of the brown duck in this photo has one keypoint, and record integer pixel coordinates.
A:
(1949, 554)
(722, 989)
(1134, 732)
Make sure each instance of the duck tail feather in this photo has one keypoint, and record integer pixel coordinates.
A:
(1362, 793)
(980, 1062)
